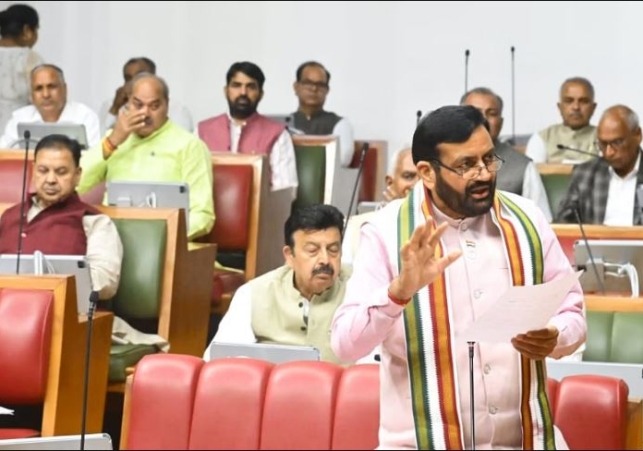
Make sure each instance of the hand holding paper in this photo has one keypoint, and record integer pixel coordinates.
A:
(520, 310)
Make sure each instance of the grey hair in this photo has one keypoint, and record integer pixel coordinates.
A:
(485, 92)
(164, 87)
(581, 81)
(49, 66)
(626, 113)
(395, 159)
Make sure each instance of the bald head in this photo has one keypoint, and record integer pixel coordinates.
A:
(402, 173)
(150, 98)
(619, 138)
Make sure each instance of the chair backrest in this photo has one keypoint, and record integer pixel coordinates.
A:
(11, 173)
(311, 173)
(26, 318)
(611, 337)
(179, 402)
(371, 184)
(596, 421)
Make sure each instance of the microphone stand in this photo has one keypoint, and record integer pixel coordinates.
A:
(359, 173)
(466, 70)
(589, 250)
(418, 117)
(471, 394)
(513, 95)
(27, 135)
(93, 300)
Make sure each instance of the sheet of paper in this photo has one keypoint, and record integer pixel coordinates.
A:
(4, 411)
(520, 309)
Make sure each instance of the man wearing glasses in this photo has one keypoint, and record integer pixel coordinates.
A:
(520, 175)
(311, 88)
(428, 265)
(606, 189)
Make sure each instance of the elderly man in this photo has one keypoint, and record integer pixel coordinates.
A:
(402, 175)
(58, 222)
(311, 88)
(576, 107)
(519, 174)
(604, 190)
(49, 98)
(294, 304)
(427, 266)
(244, 130)
(110, 108)
(145, 145)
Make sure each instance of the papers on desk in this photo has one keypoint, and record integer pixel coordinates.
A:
(519, 310)
(4, 411)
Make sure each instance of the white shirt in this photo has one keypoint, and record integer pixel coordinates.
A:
(344, 130)
(536, 149)
(534, 189)
(282, 158)
(177, 112)
(73, 113)
(619, 210)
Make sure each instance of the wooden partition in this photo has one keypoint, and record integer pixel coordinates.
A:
(62, 410)
(375, 168)
(568, 234)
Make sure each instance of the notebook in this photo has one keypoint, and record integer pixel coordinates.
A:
(631, 373)
(62, 442)
(274, 353)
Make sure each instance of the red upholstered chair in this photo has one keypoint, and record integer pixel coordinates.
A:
(373, 171)
(357, 413)
(248, 218)
(552, 391)
(11, 171)
(300, 406)
(229, 404)
(25, 334)
(591, 412)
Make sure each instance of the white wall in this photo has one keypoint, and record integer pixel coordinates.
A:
(387, 59)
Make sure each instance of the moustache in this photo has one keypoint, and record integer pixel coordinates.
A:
(240, 98)
(479, 185)
(324, 269)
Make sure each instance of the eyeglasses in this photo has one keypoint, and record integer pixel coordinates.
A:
(617, 144)
(309, 84)
(470, 171)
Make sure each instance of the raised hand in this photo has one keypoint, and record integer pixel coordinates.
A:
(536, 344)
(419, 265)
(128, 121)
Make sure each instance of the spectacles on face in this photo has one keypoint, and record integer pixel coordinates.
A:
(470, 170)
(617, 144)
(309, 84)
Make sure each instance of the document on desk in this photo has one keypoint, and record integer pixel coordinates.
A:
(5, 411)
(519, 310)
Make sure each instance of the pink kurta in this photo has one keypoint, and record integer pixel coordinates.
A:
(367, 318)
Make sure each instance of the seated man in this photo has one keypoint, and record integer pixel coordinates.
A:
(294, 304)
(243, 130)
(55, 210)
(311, 88)
(605, 190)
(519, 174)
(402, 175)
(145, 146)
(49, 98)
(110, 108)
(576, 107)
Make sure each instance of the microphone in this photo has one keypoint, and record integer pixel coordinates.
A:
(513, 94)
(27, 135)
(93, 300)
(466, 70)
(587, 246)
(573, 149)
(418, 117)
(360, 166)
